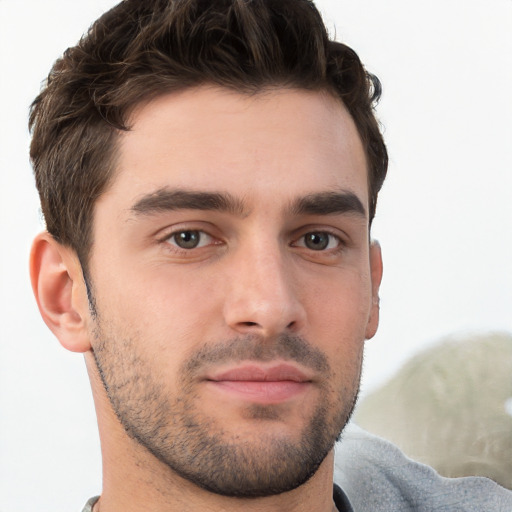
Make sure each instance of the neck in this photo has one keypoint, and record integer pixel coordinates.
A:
(135, 480)
(125, 491)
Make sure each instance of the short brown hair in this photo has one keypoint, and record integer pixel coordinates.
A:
(142, 49)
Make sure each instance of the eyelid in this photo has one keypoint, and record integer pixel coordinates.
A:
(165, 235)
(334, 232)
(340, 242)
(166, 232)
(171, 239)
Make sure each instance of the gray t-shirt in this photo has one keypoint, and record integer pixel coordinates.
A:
(90, 504)
(377, 477)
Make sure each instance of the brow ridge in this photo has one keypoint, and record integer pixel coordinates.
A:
(329, 203)
(320, 203)
(165, 199)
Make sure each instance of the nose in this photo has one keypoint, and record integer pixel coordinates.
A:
(262, 296)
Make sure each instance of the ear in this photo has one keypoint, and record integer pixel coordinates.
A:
(376, 277)
(60, 292)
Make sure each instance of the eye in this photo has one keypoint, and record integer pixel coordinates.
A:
(319, 241)
(189, 239)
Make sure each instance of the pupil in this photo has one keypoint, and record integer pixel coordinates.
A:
(187, 239)
(317, 241)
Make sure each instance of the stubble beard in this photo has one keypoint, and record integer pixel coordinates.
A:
(172, 427)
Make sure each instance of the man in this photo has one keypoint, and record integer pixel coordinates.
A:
(208, 173)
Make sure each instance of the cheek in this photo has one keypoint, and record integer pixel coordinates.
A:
(338, 315)
(339, 309)
(166, 311)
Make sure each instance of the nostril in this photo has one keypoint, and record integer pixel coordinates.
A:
(291, 325)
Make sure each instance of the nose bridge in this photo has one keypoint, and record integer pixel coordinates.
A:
(262, 296)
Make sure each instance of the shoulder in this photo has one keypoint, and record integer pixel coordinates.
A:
(377, 476)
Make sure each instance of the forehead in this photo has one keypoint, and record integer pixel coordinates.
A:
(277, 144)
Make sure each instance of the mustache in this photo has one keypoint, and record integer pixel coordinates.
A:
(255, 348)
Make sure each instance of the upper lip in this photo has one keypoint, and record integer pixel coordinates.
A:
(259, 373)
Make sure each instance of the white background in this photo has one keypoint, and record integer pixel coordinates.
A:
(444, 218)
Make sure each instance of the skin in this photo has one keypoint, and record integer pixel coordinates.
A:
(260, 275)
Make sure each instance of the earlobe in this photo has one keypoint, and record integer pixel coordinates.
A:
(59, 290)
(376, 269)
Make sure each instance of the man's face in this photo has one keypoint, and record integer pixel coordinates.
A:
(232, 281)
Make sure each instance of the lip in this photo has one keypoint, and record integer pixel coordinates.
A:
(259, 373)
(260, 384)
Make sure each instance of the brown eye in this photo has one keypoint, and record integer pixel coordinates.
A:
(317, 241)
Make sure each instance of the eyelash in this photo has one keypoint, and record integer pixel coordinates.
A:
(332, 237)
(169, 238)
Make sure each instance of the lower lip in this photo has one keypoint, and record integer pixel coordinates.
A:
(262, 391)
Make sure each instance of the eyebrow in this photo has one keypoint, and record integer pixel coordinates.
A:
(329, 203)
(165, 199)
(321, 203)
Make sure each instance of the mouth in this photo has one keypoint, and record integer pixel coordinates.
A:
(261, 384)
